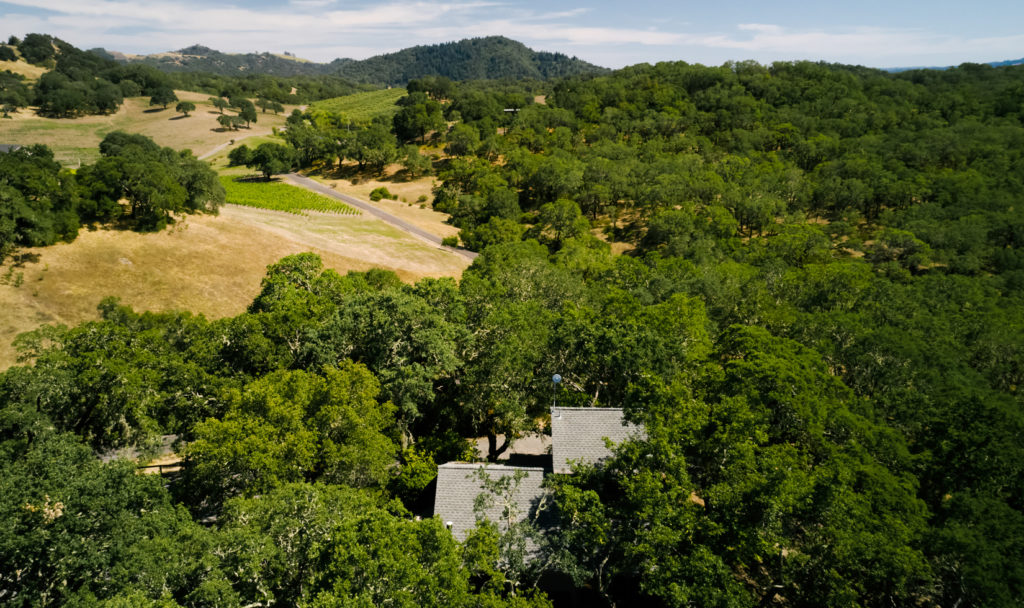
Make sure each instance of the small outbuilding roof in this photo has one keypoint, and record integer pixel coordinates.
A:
(5, 148)
(578, 434)
(459, 484)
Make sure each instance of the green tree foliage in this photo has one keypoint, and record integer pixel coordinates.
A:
(219, 102)
(373, 147)
(122, 380)
(295, 426)
(129, 88)
(70, 522)
(156, 182)
(751, 497)
(59, 95)
(463, 139)
(37, 48)
(227, 122)
(271, 159)
(558, 222)
(415, 163)
(162, 97)
(313, 145)
(492, 57)
(37, 200)
(497, 230)
(14, 93)
(185, 107)
(239, 156)
(418, 116)
(248, 114)
(819, 326)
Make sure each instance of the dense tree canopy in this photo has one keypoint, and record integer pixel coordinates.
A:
(818, 321)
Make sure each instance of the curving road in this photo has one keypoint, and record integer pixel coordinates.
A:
(315, 186)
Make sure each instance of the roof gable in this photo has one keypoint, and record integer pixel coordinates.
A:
(459, 484)
(578, 434)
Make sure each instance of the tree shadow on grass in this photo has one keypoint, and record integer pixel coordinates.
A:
(178, 117)
(153, 110)
(18, 260)
(402, 176)
(257, 178)
(349, 172)
(354, 174)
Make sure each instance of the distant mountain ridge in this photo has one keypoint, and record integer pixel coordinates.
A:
(995, 64)
(469, 59)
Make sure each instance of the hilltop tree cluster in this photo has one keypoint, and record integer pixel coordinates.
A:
(819, 322)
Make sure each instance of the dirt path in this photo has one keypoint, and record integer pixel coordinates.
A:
(305, 182)
(220, 147)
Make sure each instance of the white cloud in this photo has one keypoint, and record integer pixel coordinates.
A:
(303, 23)
(396, 15)
(311, 3)
(759, 27)
(576, 12)
(875, 45)
(583, 36)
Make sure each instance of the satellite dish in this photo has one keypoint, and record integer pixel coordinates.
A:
(556, 379)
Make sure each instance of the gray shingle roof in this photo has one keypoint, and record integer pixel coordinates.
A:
(4, 148)
(578, 433)
(458, 486)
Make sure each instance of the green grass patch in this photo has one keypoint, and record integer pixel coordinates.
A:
(362, 107)
(280, 197)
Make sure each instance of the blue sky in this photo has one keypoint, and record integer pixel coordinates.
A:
(613, 34)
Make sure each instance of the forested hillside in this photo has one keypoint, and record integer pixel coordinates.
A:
(198, 58)
(493, 57)
(818, 318)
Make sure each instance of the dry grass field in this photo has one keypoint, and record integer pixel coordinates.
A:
(205, 264)
(29, 71)
(74, 141)
(408, 209)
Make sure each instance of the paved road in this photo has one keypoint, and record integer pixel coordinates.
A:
(316, 186)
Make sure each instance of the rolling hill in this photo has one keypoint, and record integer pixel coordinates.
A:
(470, 59)
(198, 58)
